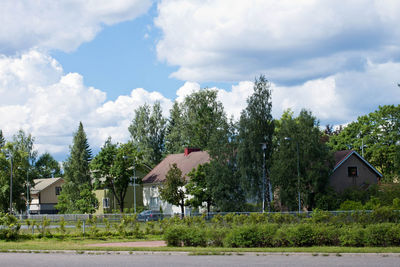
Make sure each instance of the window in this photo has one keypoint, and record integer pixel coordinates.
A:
(58, 190)
(153, 202)
(352, 171)
(106, 203)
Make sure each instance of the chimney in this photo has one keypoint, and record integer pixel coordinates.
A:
(189, 150)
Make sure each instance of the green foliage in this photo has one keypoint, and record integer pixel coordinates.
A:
(255, 126)
(9, 226)
(351, 205)
(112, 168)
(43, 227)
(301, 161)
(77, 195)
(46, 167)
(61, 226)
(16, 158)
(378, 131)
(148, 132)
(173, 235)
(352, 236)
(173, 191)
(174, 139)
(199, 188)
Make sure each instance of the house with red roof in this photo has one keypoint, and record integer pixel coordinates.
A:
(352, 171)
(186, 162)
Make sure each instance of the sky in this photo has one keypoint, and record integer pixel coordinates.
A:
(96, 61)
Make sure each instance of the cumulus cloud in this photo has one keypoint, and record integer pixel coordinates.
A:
(38, 97)
(236, 40)
(62, 24)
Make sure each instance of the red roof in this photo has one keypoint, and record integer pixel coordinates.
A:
(184, 163)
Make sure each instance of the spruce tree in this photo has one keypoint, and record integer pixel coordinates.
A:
(77, 195)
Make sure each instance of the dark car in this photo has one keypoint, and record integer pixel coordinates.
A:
(149, 215)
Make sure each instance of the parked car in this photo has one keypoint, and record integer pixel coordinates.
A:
(149, 215)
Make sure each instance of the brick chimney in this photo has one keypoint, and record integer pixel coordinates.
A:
(189, 150)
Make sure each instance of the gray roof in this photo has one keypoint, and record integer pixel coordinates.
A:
(41, 184)
(185, 163)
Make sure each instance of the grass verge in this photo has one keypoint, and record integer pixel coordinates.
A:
(78, 244)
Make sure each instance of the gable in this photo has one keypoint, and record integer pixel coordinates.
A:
(186, 163)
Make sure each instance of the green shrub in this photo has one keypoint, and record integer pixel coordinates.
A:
(325, 235)
(244, 236)
(352, 236)
(377, 234)
(319, 216)
(301, 235)
(9, 226)
(216, 236)
(385, 214)
(281, 238)
(174, 235)
(351, 205)
(195, 237)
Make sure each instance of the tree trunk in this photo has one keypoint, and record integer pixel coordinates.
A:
(182, 204)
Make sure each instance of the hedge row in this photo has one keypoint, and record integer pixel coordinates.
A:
(289, 235)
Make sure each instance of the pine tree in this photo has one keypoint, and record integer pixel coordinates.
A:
(76, 195)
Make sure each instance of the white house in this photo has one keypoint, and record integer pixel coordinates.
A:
(186, 162)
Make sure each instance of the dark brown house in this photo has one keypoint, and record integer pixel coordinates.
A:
(352, 170)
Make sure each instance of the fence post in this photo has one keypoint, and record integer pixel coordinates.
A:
(83, 228)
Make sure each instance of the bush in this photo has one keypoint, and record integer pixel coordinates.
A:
(216, 236)
(174, 235)
(194, 237)
(385, 214)
(301, 235)
(319, 216)
(9, 226)
(351, 205)
(377, 234)
(243, 237)
(325, 235)
(352, 236)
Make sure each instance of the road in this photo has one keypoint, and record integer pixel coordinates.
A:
(124, 259)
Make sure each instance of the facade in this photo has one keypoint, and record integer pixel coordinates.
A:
(352, 171)
(44, 195)
(108, 203)
(186, 162)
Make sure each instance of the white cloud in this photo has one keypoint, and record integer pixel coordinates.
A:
(61, 24)
(50, 109)
(229, 40)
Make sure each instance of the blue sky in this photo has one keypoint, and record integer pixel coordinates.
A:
(66, 61)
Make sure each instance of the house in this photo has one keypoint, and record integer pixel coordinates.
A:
(44, 195)
(186, 162)
(352, 170)
(108, 202)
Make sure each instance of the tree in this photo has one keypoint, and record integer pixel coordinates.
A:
(173, 191)
(2, 139)
(148, 132)
(174, 140)
(47, 167)
(199, 188)
(112, 168)
(377, 135)
(299, 147)
(202, 117)
(77, 195)
(256, 126)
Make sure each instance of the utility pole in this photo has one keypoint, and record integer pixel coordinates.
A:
(264, 148)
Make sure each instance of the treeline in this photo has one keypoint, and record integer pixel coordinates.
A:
(293, 153)
(19, 159)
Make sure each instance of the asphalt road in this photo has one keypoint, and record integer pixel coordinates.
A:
(76, 260)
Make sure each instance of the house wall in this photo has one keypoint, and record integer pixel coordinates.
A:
(128, 201)
(340, 180)
(152, 191)
(48, 195)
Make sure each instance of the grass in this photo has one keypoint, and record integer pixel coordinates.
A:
(78, 244)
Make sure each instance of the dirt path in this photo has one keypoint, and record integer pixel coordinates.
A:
(142, 244)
